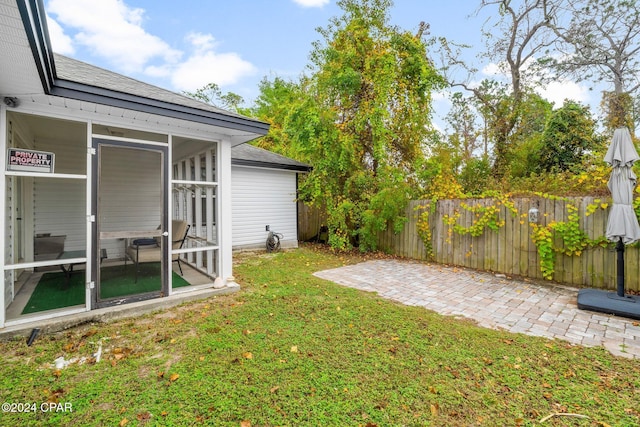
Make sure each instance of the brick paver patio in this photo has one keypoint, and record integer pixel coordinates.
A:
(493, 301)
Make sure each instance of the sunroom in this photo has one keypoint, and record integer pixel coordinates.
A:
(114, 191)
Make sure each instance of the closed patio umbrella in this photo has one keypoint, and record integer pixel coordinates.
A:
(622, 226)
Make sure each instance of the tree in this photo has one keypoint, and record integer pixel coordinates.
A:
(277, 99)
(514, 41)
(462, 119)
(213, 95)
(526, 141)
(364, 119)
(569, 133)
(599, 41)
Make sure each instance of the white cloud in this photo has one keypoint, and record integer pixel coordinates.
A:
(311, 3)
(112, 30)
(492, 69)
(205, 65)
(60, 42)
(556, 91)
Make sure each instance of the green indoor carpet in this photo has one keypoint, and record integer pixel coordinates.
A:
(53, 291)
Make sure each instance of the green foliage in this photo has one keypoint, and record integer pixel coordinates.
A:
(363, 116)
(475, 176)
(569, 133)
(563, 237)
(542, 237)
(486, 216)
(423, 227)
(281, 103)
(618, 109)
(213, 95)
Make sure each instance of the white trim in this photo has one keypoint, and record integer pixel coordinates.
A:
(46, 175)
(225, 217)
(209, 201)
(156, 124)
(91, 218)
(48, 263)
(3, 208)
(129, 140)
(193, 250)
(169, 197)
(196, 183)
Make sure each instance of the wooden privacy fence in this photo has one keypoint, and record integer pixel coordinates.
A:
(310, 219)
(509, 249)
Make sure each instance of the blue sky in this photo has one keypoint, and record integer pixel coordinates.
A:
(183, 45)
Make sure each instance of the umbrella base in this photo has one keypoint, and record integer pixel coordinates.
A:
(609, 302)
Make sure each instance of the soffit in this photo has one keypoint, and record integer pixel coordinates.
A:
(18, 71)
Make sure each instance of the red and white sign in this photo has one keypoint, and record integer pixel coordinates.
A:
(30, 161)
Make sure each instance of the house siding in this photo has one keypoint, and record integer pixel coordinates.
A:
(262, 197)
(60, 204)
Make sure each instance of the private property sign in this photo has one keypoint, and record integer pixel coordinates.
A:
(19, 159)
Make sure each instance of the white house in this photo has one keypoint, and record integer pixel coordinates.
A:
(102, 176)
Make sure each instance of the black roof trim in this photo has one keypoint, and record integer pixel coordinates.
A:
(259, 164)
(112, 98)
(37, 33)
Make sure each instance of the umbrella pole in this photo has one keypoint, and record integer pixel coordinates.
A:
(620, 250)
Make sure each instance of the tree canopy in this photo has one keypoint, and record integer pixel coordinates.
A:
(361, 114)
(361, 117)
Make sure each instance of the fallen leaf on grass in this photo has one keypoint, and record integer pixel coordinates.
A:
(294, 349)
(274, 389)
(247, 355)
(123, 422)
(434, 410)
(174, 377)
(245, 423)
(144, 416)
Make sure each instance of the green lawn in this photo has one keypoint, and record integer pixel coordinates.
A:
(294, 350)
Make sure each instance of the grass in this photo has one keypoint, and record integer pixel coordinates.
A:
(291, 349)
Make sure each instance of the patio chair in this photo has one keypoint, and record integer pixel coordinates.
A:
(148, 250)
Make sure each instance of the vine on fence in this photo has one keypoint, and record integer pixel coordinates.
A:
(424, 228)
(568, 235)
(574, 240)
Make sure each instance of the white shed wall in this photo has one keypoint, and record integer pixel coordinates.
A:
(262, 197)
